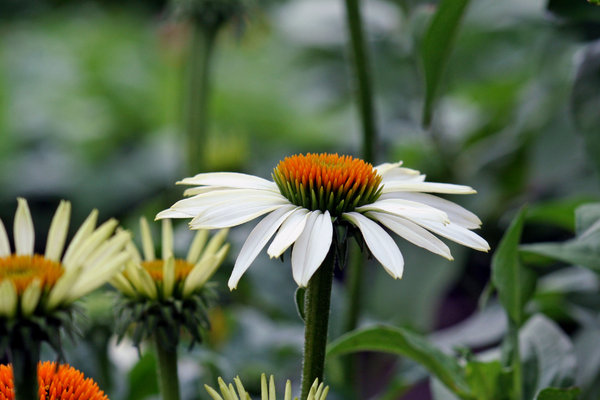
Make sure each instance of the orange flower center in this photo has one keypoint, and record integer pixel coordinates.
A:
(155, 269)
(22, 270)
(327, 182)
(55, 383)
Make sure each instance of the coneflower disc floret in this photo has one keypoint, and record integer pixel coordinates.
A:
(327, 182)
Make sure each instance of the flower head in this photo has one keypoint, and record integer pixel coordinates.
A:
(163, 295)
(54, 382)
(34, 283)
(317, 391)
(311, 193)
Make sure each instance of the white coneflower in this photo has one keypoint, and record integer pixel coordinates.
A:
(230, 392)
(35, 283)
(310, 193)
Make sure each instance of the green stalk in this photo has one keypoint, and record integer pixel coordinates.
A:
(167, 370)
(24, 361)
(517, 369)
(317, 301)
(198, 95)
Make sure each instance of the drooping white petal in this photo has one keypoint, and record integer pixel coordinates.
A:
(311, 247)
(380, 243)
(167, 239)
(457, 234)
(233, 214)
(84, 231)
(257, 239)
(412, 232)
(406, 208)
(31, 297)
(23, 229)
(197, 245)
(147, 242)
(289, 232)
(8, 298)
(202, 189)
(229, 179)
(382, 169)
(4, 243)
(456, 213)
(58, 231)
(430, 187)
(168, 213)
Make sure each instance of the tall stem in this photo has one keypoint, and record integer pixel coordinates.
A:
(24, 361)
(167, 370)
(362, 68)
(316, 310)
(198, 94)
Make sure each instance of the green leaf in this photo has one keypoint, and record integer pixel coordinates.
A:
(437, 46)
(142, 378)
(487, 380)
(400, 341)
(507, 272)
(560, 213)
(559, 394)
(586, 216)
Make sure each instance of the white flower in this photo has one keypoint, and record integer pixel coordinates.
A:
(311, 193)
(31, 281)
(228, 392)
(170, 277)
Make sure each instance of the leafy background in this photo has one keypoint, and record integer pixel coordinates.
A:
(90, 100)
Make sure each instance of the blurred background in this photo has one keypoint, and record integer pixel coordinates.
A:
(92, 99)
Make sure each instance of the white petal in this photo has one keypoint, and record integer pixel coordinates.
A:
(229, 179)
(456, 213)
(58, 231)
(413, 233)
(167, 239)
(255, 242)
(402, 175)
(380, 243)
(289, 232)
(382, 169)
(4, 244)
(311, 247)
(431, 187)
(202, 189)
(406, 208)
(232, 214)
(84, 231)
(23, 229)
(457, 234)
(168, 213)
(147, 242)
(198, 204)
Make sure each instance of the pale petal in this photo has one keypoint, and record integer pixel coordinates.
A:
(382, 169)
(213, 393)
(84, 231)
(229, 179)
(289, 232)
(407, 209)
(89, 245)
(168, 277)
(31, 297)
(62, 288)
(23, 229)
(197, 245)
(457, 234)
(456, 213)
(264, 389)
(105, 250)
(312, 246)
(241, 390)
(380, 243)
(94, 278)
(4, 243)
(272, 392)
(123, 285)
(413, 233)
(202, 189)
(228, 215)
(430, 187)
(214, 245)
(58, 231)
(203, 271)
(147, 242)
(257, 239)
(288, 390)
(167, 239)
(8, 298)
(168, 213)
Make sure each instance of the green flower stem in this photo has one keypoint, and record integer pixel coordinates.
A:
(198, 95)
(167, 370)
(364, 86)
(316, 309)
(24, 361)
(517, 369)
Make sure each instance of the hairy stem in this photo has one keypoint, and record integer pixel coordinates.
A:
(24, 361)
(167, 370)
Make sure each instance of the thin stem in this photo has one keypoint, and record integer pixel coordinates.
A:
(24, 361)
(513, 331)
(316, 309)
(167, 370)
(362, 69)
(198, 95)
